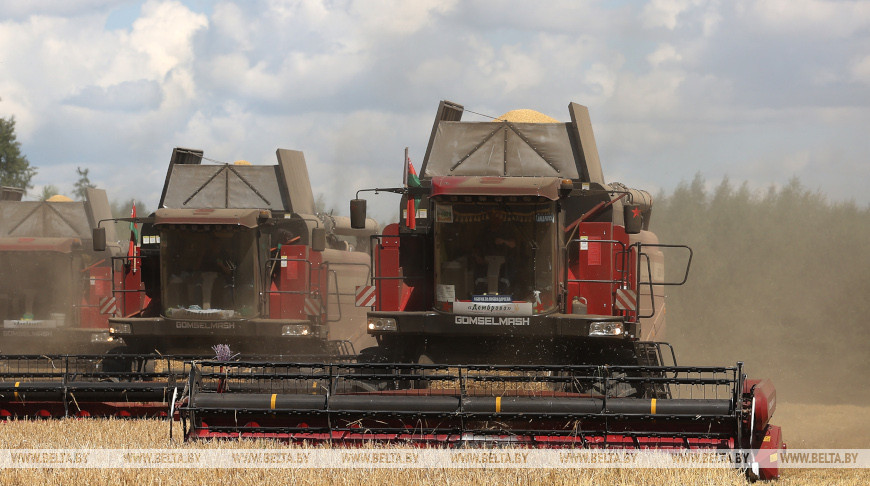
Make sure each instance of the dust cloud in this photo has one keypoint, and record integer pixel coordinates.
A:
(780, 282)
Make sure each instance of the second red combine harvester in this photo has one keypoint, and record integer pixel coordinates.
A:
(235, 255)
(235, 260)
(519, 300)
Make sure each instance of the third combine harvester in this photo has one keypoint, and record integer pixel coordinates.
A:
(235, 260)
(519, 299)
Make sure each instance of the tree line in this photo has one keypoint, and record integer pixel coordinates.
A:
(779, 280)
(16, 171)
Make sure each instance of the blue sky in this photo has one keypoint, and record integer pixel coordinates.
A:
(755, 91)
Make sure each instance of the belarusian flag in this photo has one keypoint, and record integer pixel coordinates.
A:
(133, 251)
(413, 181)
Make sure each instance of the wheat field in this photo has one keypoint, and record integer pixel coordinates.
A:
(118, 434)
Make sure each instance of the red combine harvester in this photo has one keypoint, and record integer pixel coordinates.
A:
(235, 255)
(235, 261)
(519, 300)
(56, 294)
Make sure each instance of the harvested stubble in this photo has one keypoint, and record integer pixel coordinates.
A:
(139, 434)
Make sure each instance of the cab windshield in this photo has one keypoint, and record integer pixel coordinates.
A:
(36, 286)
(208, 271)
(495, 251)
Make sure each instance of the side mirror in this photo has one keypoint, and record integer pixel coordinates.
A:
(99, 238)
(633, 218)
(318, 239)
(358, 213)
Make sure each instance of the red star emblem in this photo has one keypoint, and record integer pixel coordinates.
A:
(635, 213)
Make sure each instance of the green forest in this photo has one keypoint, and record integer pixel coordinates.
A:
(779, 280)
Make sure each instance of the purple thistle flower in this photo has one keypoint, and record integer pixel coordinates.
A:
(222, 352)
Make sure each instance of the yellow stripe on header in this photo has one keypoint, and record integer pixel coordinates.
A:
(16, 391)
(652, 406)
(497, 404)
(274, 397)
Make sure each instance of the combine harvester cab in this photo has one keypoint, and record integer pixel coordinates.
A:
(519, 300)
(56, 294)
(235, 255)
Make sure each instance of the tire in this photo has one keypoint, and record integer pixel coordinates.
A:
(422, 383)
(595, 387)
(371, 356)
(117, 364)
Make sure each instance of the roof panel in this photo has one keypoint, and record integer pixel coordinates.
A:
(224, 186)
(479, 148)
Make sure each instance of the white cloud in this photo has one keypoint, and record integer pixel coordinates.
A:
(653, 95)
(860, 70)
(20, 9)
(127, 96)
(601, 80)
(230, 23)
(510, 69)
(816, 18)
(665, 13)
(378, 18)
(164, 33)
(665, 53)
(711, 20)
(673, 85)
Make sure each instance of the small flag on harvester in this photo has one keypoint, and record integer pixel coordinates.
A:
(411, 181)
(133, 251)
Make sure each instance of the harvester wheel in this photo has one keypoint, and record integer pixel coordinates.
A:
(617, 389)
(596, 386)
(422, 383)
(373, 355)
(143, 365)
(117, 364)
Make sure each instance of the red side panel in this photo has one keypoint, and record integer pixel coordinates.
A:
(765, 400)
(595, 263)
(768, 453)
(291, 283)
(598, 261)
(133, 299)
(387, 271)
(96, 307)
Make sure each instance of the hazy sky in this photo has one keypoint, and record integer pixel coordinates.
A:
(756, 91)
